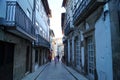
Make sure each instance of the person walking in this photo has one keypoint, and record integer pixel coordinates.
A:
(55, 59)
(58, 57)
(49, 58)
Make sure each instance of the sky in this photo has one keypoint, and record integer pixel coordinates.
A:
(55, 21)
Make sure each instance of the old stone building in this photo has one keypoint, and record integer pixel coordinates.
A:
(114, 12)
(52, 44)
(92, 40)
(22, 32)
(42, 14)
(16, 36)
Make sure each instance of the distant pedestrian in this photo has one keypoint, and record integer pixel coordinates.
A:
(55, 59)
(49, 58)
(58, 57)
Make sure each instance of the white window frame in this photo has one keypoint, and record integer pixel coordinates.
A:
(91, 56)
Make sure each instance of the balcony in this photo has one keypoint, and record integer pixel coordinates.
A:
(85, 8)
(41, 42)
(17, 22)
(69, 28)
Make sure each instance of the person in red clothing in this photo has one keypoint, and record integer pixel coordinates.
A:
(49, 58)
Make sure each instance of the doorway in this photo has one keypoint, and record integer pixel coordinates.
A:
(6, 60)
(27, 59)
(36, 60)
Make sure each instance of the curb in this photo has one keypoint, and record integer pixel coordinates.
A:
(35, 74)
(41, 71)
(70, 72)
(77, 76)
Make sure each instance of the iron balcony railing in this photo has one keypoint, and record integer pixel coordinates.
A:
(18, 22)
(69, 27)
(85, 8)
(41, 42)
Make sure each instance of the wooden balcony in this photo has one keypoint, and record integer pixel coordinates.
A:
(17, 22)
(85, 8)
(41, 42)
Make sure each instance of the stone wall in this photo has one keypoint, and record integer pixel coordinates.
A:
(114, 7)
(20, 50)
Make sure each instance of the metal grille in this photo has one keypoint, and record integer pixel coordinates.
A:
(91, 55)
(15, 16)
(77, 52)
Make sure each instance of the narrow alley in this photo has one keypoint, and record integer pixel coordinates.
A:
(59, 39)
(52, 71)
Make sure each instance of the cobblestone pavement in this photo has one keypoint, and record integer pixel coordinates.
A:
(55, 72)
(50, 71)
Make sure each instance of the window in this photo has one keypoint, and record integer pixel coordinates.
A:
(77, 50)
(41, 31)
(91, 55)
(87, 26)
(36, 23)
(37, 7)
(28, 13)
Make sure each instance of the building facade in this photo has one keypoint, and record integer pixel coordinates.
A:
(64, 39)
(52, 44)
(60, 51)
(41, 21)
(19, 36)
(60, 48)
(58, 44)
(93, 40)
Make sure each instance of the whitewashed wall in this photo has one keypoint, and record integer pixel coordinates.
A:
(103, 48)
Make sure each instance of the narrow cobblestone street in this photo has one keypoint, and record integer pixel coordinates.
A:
(55, 72)
(51, 71)
(59, 39)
